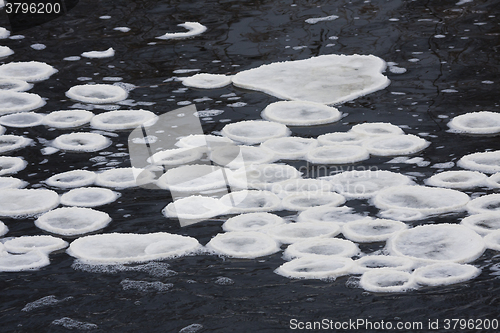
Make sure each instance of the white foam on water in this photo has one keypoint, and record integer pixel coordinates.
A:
(81, 142)
(327, 79)
(459, 179)
(390, 145)
(485, 204)
(121, 178)
(9, 143)
(483, 224)
(89, 197)
(337, 154)
(341, 138)
(72, 179)
(252, 132)
(193, 328)
(146, 286)
(248, 244)
(325, 247)
(435, 243)
(123, 119)
(207, 81)
(482, 122)
(252, 222)
(194, 29)
(291, 186)
(44, 302)
(129, 248)
(202, 140)
(13, 102)
(3, 230)
(68, 118)
(305, 200)
(97, 93)
(419, 201)
(316, 267)
(23, 202)
(70, 324)
(445, 274)
(31, 71)
(371, 262)
(365, 183)
(339, 215)
(488, 162)
(193, 207)
(99, 54)
(301, 113)
(194, 178)
(155, 269)
(23, 262)
(289, 148)
(371, 230)
(176, 156)
(5, 51)
(235, 157)
(263, 176)
(384, 280)
(376, 129)
(43, 243)
(15, 85)
(315, 20)
(21, 120)
(10, 165)
(72, 221)
(295, 232)
(249, 201)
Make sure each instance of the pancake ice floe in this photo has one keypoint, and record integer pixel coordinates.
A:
(387, 280)
(252, 132)
(81, 142)
(194, 207)
(305, 200)
(341, 138)
(21, 120)
(459, 179)
(89, 197)
(43, 243)
(11, 182)
(31, 71)
(15, 85)
(252, 222)
(484, 223)
(72, 221)
(301, 113)
(339, 215)
(372, 262)
(176, 156)
(248, 201)
(3, 230)
(376, 129)
(391, 145)
(289, 148)
(207, 81)
(263, 176)
(337, 154)
(298, 185)
(97, 93)
(488, 162)
(68, 118)
(23, 262)
(325, 247)
(444, 274)
(482, 122)
(9, 143)
(121, 178)
(10, 165)
(19, 203)
(13, 102)
(295, 232)
(235, 157)
(485, 204)
(316, 267)
(194, 178)
(72, 179)
(99, 54)
(371, 230)
(248, 244)
(123, 119)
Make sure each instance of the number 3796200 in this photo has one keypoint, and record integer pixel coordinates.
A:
(32, 8)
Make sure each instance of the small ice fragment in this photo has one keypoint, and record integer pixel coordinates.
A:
(43, 302)
(194, 29)
(3, 230)
(145, 286)
(248, 244)
(299, 113)
(207, 81)
(72, 58)
(4, 33)
(38, 47)
(193, 328)
(321, 19)
(99, 54)
(89, 197)
(97, 93)
(72, 221)
(122, 29)
(70, 324)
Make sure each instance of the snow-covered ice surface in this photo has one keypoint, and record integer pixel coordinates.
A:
(326, 79)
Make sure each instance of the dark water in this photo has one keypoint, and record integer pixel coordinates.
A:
(455, 74)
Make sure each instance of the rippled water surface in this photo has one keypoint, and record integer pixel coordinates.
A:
(451, 55)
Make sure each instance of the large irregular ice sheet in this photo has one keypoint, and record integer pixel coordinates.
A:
(72, 179)
(15, 85)
(129, 248)
(390, 145)
(194, 207)
(249, 201)
(72, 221)
(327, 79)
(341, 138)
(207, 81)
(337, 154)
(97, 93)
(444, 274)
(325, 247)
(81, 142)
(31, 71)
(372, 262)
(10, 165)
(437, 243)
(289, 148)
(386, 280)
(20, 120)
(482, 122)
(366, 183)
(252, 222)
(371, 230)
(305, 200)
(300, 113)
(338, 215)
(458, 179)
(194, 178)
(68, 118)
(23, 262)
(176, 156)
(123, 119)
(248, 244)
(194, 28)
(13, 101)
(99, 54)
(121, 178)
(376, 129)
(295, 232)
(488, 162)
(486, 204)
(251, 132)
(22, 202)
(235, 157)
(89, 197)
(316, 267)
(9, 143)
(484, 223)
(43, 243)
(420, 200)
(263, 176)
